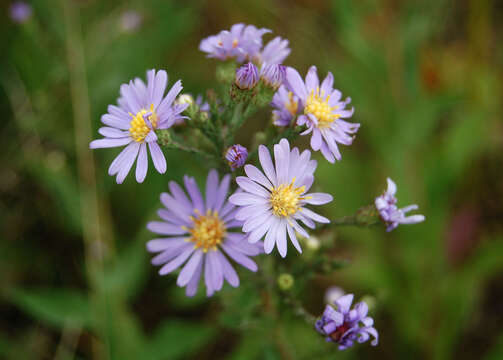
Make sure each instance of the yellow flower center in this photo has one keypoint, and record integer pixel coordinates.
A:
(285, 199)
(291, 105)
(317, 104)
(138, 128)
(207, 231)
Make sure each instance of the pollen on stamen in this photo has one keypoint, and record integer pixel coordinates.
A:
(292, 105)
(207, 231)
(318, 105)
(285, 199)
(138, 126)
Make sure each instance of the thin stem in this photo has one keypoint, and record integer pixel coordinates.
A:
(90, 210)
(345, 220)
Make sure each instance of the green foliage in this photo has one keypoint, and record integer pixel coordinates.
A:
(425, 90)
(55, 307)
(175, 339)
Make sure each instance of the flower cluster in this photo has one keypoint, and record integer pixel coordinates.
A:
(270, 205)
(244, 43)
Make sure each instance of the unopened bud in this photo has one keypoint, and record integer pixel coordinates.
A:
(247, 76)
(285, 281)
(273, 75)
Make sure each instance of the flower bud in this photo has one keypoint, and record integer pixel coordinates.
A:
(273, 75)
(313, 243)
(333, 293)
(285, 281)
(236, 155)
(185, 99)
(247, 76)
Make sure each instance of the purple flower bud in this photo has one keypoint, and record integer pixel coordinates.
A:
(236, 155)
(273, 75)
(247, 76)
(20, 12)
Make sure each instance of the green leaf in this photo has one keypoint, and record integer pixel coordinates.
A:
(177, 338)
(54, 307)
(126, 275)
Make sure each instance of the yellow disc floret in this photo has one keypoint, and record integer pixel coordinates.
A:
(207, 231)
(138, 128)
(285, 199)
(292, 105)
(317, 104)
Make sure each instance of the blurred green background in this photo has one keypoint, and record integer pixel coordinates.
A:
(425, 79)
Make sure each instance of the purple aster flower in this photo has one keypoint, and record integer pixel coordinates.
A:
(286, 106)
(275, 52)
(272, 204)
(344, 326)
(242, 42)
(273, 74)
(20, 12)
(323, 111)
(236, 156)
(198, 232)
(247, 76)
(142, 109)
(390, 213)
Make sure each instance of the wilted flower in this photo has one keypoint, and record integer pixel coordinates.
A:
(236, 156)
(275, 52)
(271, 204)
(344, 326)
(242, 42)
(286, 106)
(199, 231)
(273, 74)
(142, 109)
(323, 111)
(247, 76)
(20, 12)
(390, 213)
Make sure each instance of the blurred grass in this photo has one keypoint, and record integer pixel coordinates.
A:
(425, 80)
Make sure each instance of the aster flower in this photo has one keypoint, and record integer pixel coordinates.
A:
(272, 204)
(236, 156)
(142, 109)
(344, 326)
(247, 76)
(20, 12)
(242, 42)
(199, 230)
(273, 74)
(286, 106)
(275, 52)
(390, 213)
(323, 111)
